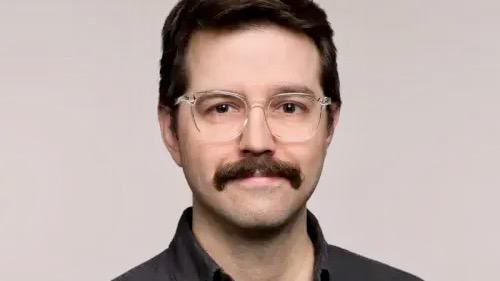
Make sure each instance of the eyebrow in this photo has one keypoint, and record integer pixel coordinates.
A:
(293, 89)
(280, 89)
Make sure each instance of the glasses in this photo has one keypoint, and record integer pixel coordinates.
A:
(222, 116)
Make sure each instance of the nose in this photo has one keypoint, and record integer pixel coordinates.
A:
(256, 137)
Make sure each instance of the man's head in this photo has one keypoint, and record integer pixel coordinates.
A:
(249, 99)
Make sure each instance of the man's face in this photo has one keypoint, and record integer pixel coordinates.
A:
(253, 62)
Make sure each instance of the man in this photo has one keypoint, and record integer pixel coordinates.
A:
(249, 101)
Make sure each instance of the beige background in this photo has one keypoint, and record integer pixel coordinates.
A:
(88, 190)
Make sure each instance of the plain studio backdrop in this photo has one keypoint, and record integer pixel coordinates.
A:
(88, 189)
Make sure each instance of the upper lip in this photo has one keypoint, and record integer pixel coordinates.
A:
(260, 173)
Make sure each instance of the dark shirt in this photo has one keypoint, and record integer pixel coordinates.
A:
(185, 260)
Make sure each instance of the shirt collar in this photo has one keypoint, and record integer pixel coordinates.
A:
(191, 258)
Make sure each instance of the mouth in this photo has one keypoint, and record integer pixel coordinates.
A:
(258, 171)
(261, 174)
(259, 178)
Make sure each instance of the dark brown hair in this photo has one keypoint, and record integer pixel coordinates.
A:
(188, 16)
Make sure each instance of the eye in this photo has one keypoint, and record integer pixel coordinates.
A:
(291, 104)
(222, 108)
(289, 107)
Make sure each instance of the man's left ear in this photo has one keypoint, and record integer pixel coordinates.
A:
(335, 114)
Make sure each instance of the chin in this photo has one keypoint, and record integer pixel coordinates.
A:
(260, 217)
(254, 212)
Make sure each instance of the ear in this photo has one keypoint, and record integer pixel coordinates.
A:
(170, 139)
(335, 109)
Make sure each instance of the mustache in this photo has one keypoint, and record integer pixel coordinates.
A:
(264, 164)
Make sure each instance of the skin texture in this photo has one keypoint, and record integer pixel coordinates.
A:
(253, 227)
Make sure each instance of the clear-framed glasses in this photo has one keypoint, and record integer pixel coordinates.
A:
(222, 115)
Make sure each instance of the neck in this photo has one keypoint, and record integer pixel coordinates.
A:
(283, 255)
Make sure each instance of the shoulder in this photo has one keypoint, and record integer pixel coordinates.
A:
(347, 265)
(154, 269)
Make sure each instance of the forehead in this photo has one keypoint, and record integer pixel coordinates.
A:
(252, 61)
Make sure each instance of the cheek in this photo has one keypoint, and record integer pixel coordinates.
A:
(310, 156)
(200, 159)
(313, 161)
(312, 168)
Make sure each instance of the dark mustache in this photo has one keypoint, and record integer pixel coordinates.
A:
(265, 164)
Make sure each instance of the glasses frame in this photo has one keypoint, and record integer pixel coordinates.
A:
(191, 99)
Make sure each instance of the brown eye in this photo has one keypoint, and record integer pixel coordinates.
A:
(222, 108)
(289, 107)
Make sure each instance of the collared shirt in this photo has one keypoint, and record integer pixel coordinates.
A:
(186, 260)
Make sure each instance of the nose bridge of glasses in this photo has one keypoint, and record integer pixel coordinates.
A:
(263, 107)
(250, 115)
(256, 132)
